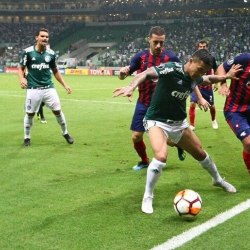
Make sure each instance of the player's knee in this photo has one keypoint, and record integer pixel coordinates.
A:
(56, 112)
(31, 115)
(137, 136)
(161, 156)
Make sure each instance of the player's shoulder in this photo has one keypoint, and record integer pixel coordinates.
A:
(242, 58)
(172, 56)
(142, 52)
(50, 51)
(168, 52)
(29, 49)
(168, 67)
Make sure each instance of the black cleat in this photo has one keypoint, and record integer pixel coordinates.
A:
(68, 138)
(26, 142)
(181, 154)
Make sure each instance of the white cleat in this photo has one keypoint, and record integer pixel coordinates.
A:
(192, 127)
(225, 185)
(43, 121)
(147, 205)
(215, 124)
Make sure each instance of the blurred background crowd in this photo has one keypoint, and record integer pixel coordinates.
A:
(110, 32)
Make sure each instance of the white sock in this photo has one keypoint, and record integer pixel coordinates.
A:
(27, 124)
(153, 174)
(62, 122)
(211, 168)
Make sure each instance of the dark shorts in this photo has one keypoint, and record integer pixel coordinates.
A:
(239, 123)
(207, 94)
(137, 121)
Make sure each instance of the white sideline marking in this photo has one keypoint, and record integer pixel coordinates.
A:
(186, 236)
(94, 101)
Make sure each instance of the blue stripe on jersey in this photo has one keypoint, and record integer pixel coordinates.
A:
(239, 97)
(143, 60)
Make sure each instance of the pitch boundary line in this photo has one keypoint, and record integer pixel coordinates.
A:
(194, 232)
(95, 101)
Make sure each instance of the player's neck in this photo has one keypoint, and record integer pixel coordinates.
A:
(40, 48)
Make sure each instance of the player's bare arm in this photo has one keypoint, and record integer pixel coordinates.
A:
(231, 74)
(60, 79)
(138, 79)
(22, 78)
(224, 90)
(202, 103)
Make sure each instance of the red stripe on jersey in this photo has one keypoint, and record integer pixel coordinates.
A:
(239, 97)
(146, 89)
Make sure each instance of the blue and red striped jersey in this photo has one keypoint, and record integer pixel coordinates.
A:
(143, 60)
(239, 97)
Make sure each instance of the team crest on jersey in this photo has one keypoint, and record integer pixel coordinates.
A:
(47, 59)
(230, 61)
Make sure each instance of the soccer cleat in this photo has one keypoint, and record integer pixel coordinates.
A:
(147, 205)
(68, 138)
(181, 154)
(140, 165)
(215, 124)
(192, 127)
(43, 121)
(225, 185)
(26, 142)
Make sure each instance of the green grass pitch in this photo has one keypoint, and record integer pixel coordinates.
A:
(86, 195)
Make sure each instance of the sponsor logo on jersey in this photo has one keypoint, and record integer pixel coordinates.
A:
(33, 59)
(166, 71)
(40, 66)
(180, 95)
(230, 61)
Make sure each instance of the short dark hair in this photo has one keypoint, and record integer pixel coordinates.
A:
(42, 29)
(202, 42)
(157, 30)
(203, 55)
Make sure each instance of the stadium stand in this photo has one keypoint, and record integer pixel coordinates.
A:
(109, 33)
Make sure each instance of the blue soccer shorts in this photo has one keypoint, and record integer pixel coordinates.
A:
(239, 122)
(139, 114)
(207, 94)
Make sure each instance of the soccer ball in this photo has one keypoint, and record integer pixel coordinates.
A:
(187, 203)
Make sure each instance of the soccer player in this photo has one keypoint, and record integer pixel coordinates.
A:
(38, 61)
(40, 114)
(155, 55)
(206, 92)
(166, 116)
(237, 104)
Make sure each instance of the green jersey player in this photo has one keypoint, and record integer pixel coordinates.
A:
(38, 61)
(166, 116)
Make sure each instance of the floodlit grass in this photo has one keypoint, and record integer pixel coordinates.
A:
(86, 196)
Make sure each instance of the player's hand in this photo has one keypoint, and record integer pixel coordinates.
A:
(124, 91)
(68, 89)
(231, 74)
(124, 72)
(23, 83)
(224, 90)
(203, 104)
